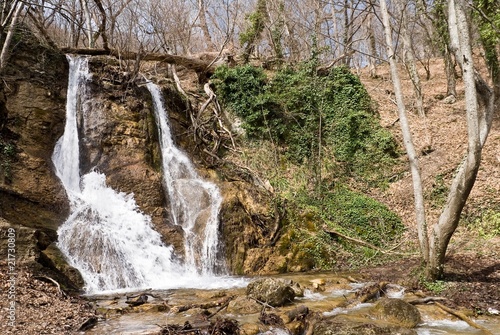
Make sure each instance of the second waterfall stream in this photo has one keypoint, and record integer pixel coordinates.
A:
(106, 236)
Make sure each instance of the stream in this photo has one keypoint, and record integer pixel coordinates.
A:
(119, 318)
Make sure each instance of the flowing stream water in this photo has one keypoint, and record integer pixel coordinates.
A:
(108, 239)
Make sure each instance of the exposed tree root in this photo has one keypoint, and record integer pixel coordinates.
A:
(45, 278)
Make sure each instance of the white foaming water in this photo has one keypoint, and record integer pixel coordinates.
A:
(194, 203)
(106, 237)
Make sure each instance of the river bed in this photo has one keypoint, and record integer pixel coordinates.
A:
(118, 318)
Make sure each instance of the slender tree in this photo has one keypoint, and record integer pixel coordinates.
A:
(407, 137)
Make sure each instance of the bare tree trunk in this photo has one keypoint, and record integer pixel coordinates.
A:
(372, 46)
(451, 81)
(409, 59)
(102, 26)
(204, 26)
(336, 28)
(88, 23)
(347, 39)
(478, 126)
(10, 32)
(407, 138)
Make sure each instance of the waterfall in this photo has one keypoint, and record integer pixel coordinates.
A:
(107, 238)
(194, 203)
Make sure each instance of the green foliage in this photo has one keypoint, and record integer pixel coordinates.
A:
(243, 90)
(439, 191)
(436, 287)
(360, 216)
(343, 210)
(253, 32)
(440, 22)
(305, 113)
(486, 224)
(487, 18)
(322, 133)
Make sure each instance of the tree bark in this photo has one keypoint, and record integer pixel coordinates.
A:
(407, 138)
(88, 23)
(196, 64)
(204, 26)
(10, 33)
(478, 126)
(409, 60)
(372, 44)
(102, 26)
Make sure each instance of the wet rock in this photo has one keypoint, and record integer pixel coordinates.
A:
(56, 266)
(249, 329)
(298, 313)
(338, 328)
(318, 284)
(398, 312)
(272, 291)
(243, 305)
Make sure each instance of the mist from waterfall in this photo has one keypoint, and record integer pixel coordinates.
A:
(106, 236)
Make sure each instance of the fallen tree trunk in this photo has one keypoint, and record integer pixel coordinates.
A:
(196, 64)
(463, 317)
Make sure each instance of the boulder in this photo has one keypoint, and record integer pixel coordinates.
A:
(398, 312)
(243, 305)
(339, 328)
(272, 291)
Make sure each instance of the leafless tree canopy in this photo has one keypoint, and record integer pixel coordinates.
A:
(291, 29)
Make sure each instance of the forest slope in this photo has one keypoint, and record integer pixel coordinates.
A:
(441, 140)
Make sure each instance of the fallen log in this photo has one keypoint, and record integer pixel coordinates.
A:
(371, 292)
(426, 300)
(362, 243)
(196, 64)
(463, 317)
(138, 300)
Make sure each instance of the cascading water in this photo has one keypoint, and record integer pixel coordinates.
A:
(107, 238)
(195, 203)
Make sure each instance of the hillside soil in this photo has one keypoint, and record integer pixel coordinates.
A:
(472, 270)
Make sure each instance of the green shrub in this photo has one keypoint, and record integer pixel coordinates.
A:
(305, 112)
(361, 217)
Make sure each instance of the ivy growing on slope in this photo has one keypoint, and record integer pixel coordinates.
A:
(325, 134)
(305, 112)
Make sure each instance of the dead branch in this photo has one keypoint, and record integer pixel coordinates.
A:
(426, 300)
(218, 310)
(142, 293)
(463, 317)
(373, 291)
(324, 69)
(140, 300)
(362, 243)
(222, 302)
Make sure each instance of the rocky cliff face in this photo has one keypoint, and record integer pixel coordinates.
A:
(120, 141)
